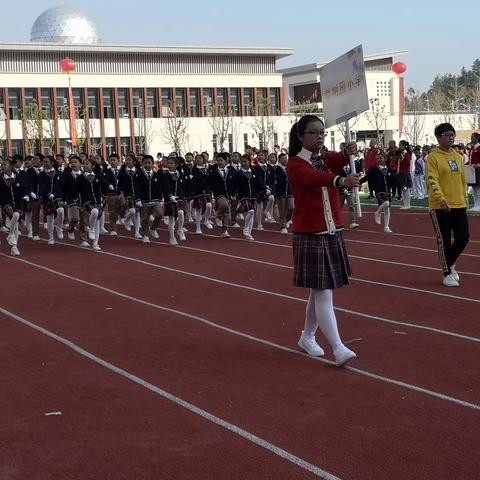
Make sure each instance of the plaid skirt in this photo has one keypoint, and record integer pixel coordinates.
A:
(246, 204)
(171, 208)
(50, 208)
(200, 202)
(320, 261)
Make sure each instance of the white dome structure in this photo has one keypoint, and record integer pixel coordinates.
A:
(65, 24)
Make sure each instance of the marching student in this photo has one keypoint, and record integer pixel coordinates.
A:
(71, 198)
(90, 186)
(126, 188)
(174, 186)
(377, 178)
(265, 200)
(35, 204)
(187, 174)
(50, 187)
(148, 195)
(283, 193)
(114, 202)
(222, 183)
(448, 201)
(249, 186)
(475, 162)
(202, 200)
(13, 194)
(320, 257)
(234, 166)
(402, 164)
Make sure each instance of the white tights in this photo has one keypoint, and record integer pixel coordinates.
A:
(320, 313)
(95, 224)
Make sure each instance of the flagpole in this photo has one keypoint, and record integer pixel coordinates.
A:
(353, 170)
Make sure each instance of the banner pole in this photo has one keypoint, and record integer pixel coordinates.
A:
(353, 170)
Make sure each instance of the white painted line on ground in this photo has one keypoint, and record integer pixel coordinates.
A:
(280, 452)
(249, 337)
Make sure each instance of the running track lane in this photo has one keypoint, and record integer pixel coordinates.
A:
(289, 399)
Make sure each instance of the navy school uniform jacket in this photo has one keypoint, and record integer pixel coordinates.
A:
(222, 186)
(32, 176)
(377, 179)
(12, 191)
(282, 186)
(70, 193)
(174, 184)
(50, 183)
(249, 184)
(266, 173)
(199, 181)
(188, 175)
(112, 177)
(147, 189)
(126, 181)
(91, 190)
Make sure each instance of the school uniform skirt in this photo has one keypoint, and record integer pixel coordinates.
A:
(320, 261)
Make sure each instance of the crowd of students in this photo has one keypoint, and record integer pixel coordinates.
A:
(73, 195)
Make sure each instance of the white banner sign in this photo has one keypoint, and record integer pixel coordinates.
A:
(344, 87)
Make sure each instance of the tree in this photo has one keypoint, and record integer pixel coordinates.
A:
(32, 123)
(264, 123)
(343, 128)
(415, 118)
(377, 118)
(174, 130)
(221, 123)
(301, 108)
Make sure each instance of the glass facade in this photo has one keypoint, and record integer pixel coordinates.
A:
(207, 102)
(181, 102)
(93, 107)
(152, 109)
(47, 102)
(14, 103)
(194, 102)
(123, 104)
(108, 103)
(138, 103)
(167, 102)
(248, 110)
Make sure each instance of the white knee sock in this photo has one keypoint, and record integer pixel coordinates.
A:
(311, 323)
(197, 215)
(60, 217)
(137, 223)
(181, 220)
(28, 222)
(102, 222)
(14, 230)
(50, 226)
(208, 211)
(259, 213)
(326, 316)
(249, 219)
(93, 218)
(406, 198)
(269, 207)
(171, 227)
(386, 214)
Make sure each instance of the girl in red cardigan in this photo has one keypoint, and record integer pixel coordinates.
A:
(320, 258)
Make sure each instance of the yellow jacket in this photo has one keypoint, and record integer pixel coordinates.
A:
(446, 179)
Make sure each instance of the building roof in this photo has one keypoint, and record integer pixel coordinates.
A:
(309, 67)
(278, 53)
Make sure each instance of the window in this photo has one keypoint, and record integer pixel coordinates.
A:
(167, 97)
(215, 142)
(245, 141)
(137, 101)
(30, 96)
(230, 143)
(17, 147)
(194, 102)
(93, 103)
(110, 144)
(47, 102)
(222, 101)
(2, 104)
(14, 103)
(123, 107)
(235, 101)
(62, 103)
(309, 93)
(125, 145)
(248, 102)
(207, 102)
(152, 110)
(78, 102)
(65, 146)
(274, 101)
(275, 138)
(181, 102)
(262, 101)
(108, 105)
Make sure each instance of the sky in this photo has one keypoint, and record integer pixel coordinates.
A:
(438, 36)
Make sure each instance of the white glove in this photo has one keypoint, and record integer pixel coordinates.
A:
(269, 192)
(51, 196)
(34, 197)
(138, 203)
(173, 198)
(111, 187)
(26, 198)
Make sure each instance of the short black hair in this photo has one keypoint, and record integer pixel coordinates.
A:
(114, 155)
(223, 155)
(443, 128)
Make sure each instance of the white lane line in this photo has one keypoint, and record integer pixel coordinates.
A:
(250, 337)
(276, 294)
(252, 438)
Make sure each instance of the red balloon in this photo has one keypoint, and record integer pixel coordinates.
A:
(399, 68)
(67, 65)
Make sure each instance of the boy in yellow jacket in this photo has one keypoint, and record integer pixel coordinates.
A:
(448, 201)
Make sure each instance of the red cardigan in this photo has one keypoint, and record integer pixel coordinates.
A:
(317, 200)
(475, 156)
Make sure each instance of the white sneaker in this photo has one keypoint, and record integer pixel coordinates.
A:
(59, 233)
(378, 218)
(65, 226)
(15, 252)
(113, 233)
(218, 222)
(30, 235)
(198, 231)
(225, 234)
(85, 244)
(310, 345)
(91, 235)
(343, 355)
(235, 225)
(51, 241)
(260, 227)
(103, 231)
(181, 235)
(208, 225)
(138, 237)
(455, 274)
(354, 225)
(35, 238)
(271, 220)
(71, 235)
(96, 247)
(173, 242)
(185, 229)
(127, 227)
(190, 220)
(4, 229)
(145, 239)
(11, 239)
(387, 230)
(449, 281)
(248, 237)
(154, 234)
(284, 231)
